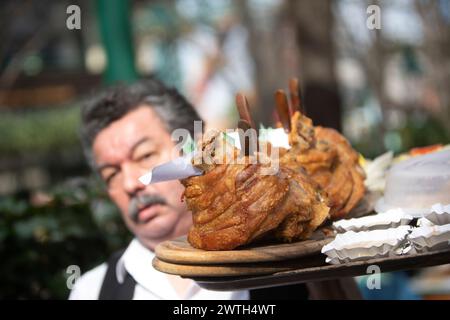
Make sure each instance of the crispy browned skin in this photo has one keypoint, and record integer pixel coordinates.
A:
(329, 160)
(350, 159)
(235, 204)
(308, 201)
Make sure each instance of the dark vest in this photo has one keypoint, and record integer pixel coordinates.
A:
(113, 290)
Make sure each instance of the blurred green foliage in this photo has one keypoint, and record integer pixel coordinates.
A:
(75, 225)
(419, 130)
(39, 130)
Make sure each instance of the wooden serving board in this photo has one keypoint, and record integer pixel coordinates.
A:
(322, 272)
(236, 269)
(179, 251)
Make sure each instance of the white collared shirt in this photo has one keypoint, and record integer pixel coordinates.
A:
(150, 283)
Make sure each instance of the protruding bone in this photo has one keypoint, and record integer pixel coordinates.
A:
(295, 93)
(283, 109)
(243, 109)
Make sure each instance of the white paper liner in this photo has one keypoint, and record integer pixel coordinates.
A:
(387, 220)
(355, 246)
(439, 214)
(376, 171)
(428, 238)
(235, 136)
(422, 222)
(277, 137)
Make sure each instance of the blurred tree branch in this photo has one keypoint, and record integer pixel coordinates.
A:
(436, 47)
(264, 45)
(289, 42)
(372, 59)
(315, 22)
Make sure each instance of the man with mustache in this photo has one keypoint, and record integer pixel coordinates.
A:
(125, 132)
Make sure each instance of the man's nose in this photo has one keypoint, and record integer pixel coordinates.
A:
(131, 174)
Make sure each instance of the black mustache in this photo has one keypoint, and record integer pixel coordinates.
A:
(141, 201)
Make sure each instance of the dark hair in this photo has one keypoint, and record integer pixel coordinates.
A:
(115, 102)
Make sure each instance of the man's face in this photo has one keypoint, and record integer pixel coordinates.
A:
(124, 151)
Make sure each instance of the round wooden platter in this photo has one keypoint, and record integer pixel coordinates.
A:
(322, 271)
(180, 252)
(237, 269)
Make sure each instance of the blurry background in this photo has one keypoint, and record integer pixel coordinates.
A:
(386, 89)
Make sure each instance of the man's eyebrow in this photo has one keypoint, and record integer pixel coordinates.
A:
(137, 144)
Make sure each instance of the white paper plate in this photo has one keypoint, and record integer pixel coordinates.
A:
(439, 214)
(354, 246)
(429, 238)
(387, 220)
